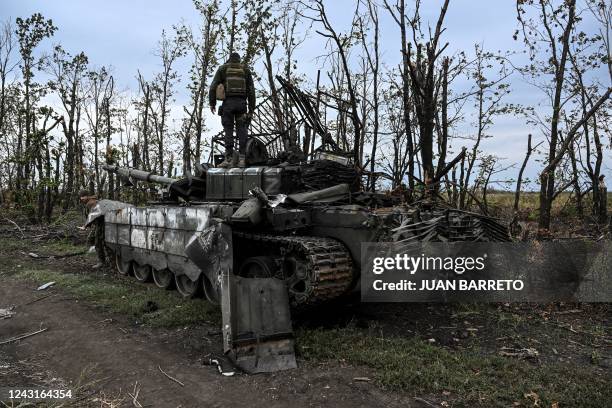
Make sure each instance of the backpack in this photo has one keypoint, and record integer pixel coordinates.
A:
(235, 80)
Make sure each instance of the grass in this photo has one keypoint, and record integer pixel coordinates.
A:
(123, 296)
(529, 203)
(144, 303)
(465, 377)
(59, 247)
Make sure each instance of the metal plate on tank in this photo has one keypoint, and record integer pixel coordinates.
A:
(215, 184)
(123, 234)
(233, 183)
(190, 221)
(156, 217)
(272, 180)
(203, 217)
(155, 239)
(174, 242)
(122, 216)
(139, 216)
(174, 217)
(251, 178)
(139, 236)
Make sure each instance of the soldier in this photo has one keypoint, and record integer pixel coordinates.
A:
(238, 88)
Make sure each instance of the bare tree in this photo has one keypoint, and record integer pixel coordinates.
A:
(373, 60)
(202, 46)
(540, 33)
(519, 180)
(169, 50)
(341, 42)
(398, 12)
(144, 109)
(422, 70)
(489, 93)
(68, 72)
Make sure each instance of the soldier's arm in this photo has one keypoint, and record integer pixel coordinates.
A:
(212, 91)
(250, 90)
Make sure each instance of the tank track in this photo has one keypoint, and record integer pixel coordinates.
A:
(329, 267)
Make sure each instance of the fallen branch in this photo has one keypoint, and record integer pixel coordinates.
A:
(170, 377)
(7, 313)
(22, 336)
(423, 400)
(16, 226)
(38, 299)
(529, 352)
(134, 396)
(60, 256)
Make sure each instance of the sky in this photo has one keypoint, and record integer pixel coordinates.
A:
(124, 33)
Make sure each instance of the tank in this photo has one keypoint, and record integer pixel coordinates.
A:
(284, 233)
(262, 241)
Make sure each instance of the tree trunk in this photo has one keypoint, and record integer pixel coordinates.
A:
(519, 180)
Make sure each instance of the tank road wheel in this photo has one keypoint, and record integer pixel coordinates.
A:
(186, 287)
(258, 267)
(123, 267)
(142, 273)
(209, 291)
(163, 278)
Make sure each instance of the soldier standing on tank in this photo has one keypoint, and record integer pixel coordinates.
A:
(238, 89)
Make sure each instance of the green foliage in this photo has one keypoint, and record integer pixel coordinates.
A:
(30, 32)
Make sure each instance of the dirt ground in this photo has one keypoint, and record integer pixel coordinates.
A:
(113, 359)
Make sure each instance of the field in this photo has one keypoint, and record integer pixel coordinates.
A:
(109, 338)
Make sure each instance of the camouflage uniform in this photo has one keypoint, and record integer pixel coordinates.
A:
(234, 110)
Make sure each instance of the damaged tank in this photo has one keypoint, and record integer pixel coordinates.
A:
(259, 242)
(265, 239)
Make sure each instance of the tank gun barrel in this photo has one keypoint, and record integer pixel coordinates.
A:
(135, 174)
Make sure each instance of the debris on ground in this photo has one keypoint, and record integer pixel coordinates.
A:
(528, 352)
(38, 299)
(46, 286)
(170, 377)
(134, 395)
(22, 336)
(221, 365)
(7, 313)
(55, 256)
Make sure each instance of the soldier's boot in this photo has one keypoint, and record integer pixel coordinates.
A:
(235, 160)
(242, 161)
(225, 164)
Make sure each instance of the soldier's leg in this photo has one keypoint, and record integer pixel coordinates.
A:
(242, 132)
(227, 120)
(242, 124)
